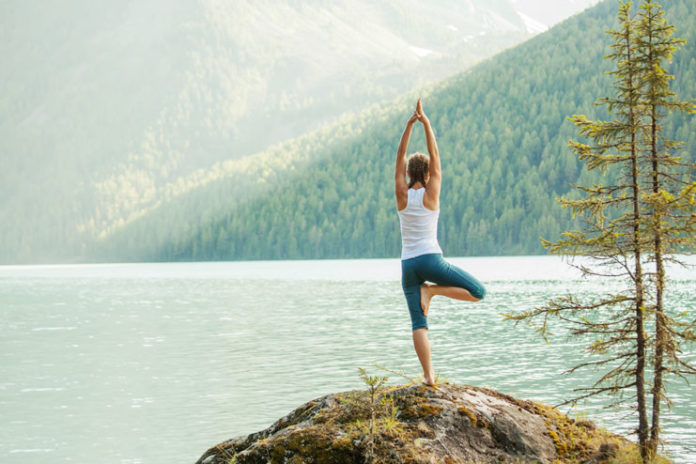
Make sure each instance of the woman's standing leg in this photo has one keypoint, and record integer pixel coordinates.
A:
(422, 346)
(411, 283)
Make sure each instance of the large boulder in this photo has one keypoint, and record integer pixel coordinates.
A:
(419, 424)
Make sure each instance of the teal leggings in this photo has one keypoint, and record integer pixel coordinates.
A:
(433, 268)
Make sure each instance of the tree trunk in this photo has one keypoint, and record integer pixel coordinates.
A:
(638, 276)
(656, 230)
(660, 333)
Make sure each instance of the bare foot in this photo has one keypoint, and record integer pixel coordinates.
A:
(429, 380)
(426, 296)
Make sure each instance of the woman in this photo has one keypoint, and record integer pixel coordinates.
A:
(424, 273)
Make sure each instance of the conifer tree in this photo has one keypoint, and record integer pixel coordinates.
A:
(670, 193)
(612, 237)
(645, 211)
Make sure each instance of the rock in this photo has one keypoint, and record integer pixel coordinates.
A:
(417, 424)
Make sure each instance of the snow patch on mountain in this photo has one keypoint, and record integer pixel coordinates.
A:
(533, 26)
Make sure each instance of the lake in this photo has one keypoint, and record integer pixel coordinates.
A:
(154, 363)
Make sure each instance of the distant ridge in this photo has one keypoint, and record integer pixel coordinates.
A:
(109, 107)
(502, 130)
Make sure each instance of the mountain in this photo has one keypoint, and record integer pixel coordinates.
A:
(109, 106)
(502, 130)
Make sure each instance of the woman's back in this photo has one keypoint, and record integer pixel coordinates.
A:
(418, 227)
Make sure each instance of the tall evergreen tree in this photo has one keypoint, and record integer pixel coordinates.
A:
(670, 192)
(646, 210)
(612, 237)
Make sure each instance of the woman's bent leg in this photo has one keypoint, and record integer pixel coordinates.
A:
(422, 345)
(451, 281)
(457, 293)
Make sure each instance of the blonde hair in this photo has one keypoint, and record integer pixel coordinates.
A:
(417, 169)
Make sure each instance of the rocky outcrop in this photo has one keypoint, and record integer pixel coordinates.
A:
(419, 424)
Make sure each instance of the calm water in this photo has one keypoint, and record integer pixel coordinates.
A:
(154, 363)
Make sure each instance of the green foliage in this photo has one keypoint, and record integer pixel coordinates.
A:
(633, 223)
(110, 108)
(378, 413)
(502, 132)
(376, 403)
(671, 222)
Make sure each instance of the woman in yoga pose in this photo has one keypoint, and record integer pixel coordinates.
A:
(424, 273)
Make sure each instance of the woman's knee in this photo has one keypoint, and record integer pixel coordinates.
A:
(478, 292)
(418, 319)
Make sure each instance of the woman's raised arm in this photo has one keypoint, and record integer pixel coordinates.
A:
(432, 190)
(400, 185)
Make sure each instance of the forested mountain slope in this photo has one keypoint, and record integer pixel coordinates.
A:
(502, 130)
(110, 107)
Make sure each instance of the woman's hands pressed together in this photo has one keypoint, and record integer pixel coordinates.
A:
(420, 114)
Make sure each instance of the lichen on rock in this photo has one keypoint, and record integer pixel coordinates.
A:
(419, 424)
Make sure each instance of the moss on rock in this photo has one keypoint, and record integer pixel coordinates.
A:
(416, 425)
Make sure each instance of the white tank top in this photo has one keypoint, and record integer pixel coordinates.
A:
(418, 227)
